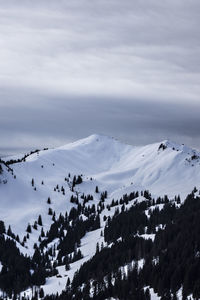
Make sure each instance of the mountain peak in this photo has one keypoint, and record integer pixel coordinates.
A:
(89, 140)
(168, 144)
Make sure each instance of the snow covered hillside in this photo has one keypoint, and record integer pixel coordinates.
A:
(48, 183)
(162, 168)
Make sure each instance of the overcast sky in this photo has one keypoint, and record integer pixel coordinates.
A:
(129, 69)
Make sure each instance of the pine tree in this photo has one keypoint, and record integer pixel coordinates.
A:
(42, 232)
(97, 248)
(50, 212)
(40, 220)
(9, 231)
(28, 229)
(67, 267)
(74, 181)
(68, 281)
(147, 294)
(35, 225)
(54, 216)
(2, 227)
(41, 293)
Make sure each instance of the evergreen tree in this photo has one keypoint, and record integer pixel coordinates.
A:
(9, 231)
(40, 220)
(28, 229)
(41, 293)
(50, 211)
(2, 227)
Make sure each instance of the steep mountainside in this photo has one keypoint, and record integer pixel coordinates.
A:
(163, 168)
(91, 171)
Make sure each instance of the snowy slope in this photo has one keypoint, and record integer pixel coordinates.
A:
(113, 166)
(163, 168)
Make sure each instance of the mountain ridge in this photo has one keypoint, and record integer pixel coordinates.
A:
(89, 172)
(116, 167)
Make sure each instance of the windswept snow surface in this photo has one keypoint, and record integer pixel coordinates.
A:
(162, 168)
(113, 166)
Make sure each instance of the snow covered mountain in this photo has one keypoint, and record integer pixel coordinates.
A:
(163, 168)
(44, 180)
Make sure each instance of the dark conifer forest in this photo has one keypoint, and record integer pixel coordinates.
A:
(127, 265)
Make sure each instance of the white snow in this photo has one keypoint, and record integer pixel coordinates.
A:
(113, 166)
(148, 236)
(154, 296)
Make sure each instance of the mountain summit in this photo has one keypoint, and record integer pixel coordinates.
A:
(163, 168)
(36, 189)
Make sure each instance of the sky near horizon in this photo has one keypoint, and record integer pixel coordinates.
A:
(71, 68)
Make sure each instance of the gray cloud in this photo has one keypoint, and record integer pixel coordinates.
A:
(60, 120)
(124, 68)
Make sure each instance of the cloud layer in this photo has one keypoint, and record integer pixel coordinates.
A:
(125, 68)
